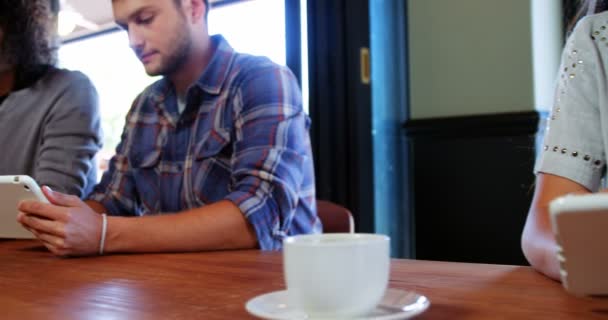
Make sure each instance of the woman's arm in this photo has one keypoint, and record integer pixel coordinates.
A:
(537, 241)
(71, 136)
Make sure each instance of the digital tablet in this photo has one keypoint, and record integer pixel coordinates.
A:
(12, 190)
(580, 225)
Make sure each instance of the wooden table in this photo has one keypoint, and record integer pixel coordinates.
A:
(215, 285)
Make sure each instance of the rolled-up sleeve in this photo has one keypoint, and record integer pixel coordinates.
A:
(116, 190)
(271, 146)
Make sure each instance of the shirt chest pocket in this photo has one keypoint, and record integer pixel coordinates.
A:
(211, 168)
(212, 145)
(146, 178)
(144, 159)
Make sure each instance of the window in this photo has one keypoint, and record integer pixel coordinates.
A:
(116, 73)
(260, 29)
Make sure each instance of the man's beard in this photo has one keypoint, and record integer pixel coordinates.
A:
(177, 57)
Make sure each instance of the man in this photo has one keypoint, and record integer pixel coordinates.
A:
(221, 142)
(49, 118)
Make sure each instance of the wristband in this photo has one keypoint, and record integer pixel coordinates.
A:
(104, 228)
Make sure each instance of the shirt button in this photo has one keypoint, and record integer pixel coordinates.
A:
(180, 167)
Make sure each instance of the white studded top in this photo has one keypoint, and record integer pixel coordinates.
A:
(576, 139)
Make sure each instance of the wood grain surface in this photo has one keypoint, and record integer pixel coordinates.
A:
(216, 285)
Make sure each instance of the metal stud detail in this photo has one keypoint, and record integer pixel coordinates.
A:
(575, 154)
(573, 67)
(555, 148)
(597, 162)
(587, 157)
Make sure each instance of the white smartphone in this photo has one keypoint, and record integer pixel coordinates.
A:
(12, 190)
(580, 225)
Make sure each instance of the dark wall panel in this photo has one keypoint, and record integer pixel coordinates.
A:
(472, 186)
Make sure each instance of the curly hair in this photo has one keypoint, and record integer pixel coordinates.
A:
(29, 42)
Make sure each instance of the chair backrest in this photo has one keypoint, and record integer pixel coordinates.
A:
(335, 218)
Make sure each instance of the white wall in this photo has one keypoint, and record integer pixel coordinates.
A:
(470, 57)
(547, 42)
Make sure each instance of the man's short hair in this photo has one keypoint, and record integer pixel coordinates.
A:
(28, 41)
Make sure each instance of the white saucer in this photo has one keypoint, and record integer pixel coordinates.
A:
(396, 304)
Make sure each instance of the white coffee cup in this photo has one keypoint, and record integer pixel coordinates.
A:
(336, 275)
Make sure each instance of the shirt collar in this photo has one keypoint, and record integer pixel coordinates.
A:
(214, 76)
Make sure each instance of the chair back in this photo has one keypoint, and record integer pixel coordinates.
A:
(335, 218)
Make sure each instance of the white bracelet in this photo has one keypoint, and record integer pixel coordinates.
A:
(104, 228)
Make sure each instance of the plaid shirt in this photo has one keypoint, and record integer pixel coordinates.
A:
(243, 137)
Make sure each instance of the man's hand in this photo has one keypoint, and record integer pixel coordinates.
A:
(66, 226)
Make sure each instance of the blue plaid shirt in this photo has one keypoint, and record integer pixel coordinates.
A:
(243, 137)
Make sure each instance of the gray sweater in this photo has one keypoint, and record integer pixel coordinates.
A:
(52, 131)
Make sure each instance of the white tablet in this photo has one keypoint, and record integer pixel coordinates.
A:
(580, 225)
(12, 190)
